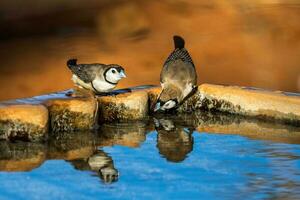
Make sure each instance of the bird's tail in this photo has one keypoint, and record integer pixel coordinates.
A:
(71, 62)
(178, 42)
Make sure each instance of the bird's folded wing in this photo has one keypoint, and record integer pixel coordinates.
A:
(85, 72)
(182, 54)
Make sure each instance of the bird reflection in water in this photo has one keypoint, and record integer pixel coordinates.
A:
(124, 134)
(100, 163)
(174, 142)
(104, 165)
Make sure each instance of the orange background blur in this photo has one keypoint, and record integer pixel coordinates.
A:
(237, 42)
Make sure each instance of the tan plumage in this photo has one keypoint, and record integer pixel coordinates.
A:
(178, 77)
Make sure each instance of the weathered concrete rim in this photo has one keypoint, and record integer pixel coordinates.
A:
(61, 112)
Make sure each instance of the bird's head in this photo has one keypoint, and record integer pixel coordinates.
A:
(114, 73)
(168, 99)
(165, 105)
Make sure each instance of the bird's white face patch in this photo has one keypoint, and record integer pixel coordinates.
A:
(168, 105)
(113, 75)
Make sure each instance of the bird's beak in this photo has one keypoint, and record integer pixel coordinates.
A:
(122, 74)
(157, 107)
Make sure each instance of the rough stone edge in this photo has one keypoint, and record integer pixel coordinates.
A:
(16, 129)
(198, 101)
(54, 120)
(212, 104)
(120, 112)
(202, 101)
(64, 120)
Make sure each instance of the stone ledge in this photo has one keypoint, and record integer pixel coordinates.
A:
(66, 113)
(26, 122)
(123, 107)
(28, 119)
(251, 102)
(71, 114)
(280, 106)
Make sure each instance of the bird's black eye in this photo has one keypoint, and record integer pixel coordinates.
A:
(113, 71)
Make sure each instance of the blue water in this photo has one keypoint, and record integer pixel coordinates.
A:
(217, 166)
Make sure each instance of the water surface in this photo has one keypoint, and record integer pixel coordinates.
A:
(163, 158)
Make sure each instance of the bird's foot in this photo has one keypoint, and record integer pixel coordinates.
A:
(74, 94)
(114, 92)
(80, 93)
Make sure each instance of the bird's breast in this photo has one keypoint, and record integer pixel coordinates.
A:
(103, 86)
(81, 83)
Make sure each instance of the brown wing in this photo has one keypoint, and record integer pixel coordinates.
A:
(180, 54)
(84, 72)
(179, 67)
(179, 72)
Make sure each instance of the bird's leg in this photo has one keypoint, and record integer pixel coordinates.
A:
(96, 115)
(114, 92)
(91, 94)
(81, 92)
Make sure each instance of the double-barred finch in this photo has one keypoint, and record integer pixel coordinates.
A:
(96, 77)
(178, 77)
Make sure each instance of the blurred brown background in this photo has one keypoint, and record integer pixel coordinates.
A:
(239, 42)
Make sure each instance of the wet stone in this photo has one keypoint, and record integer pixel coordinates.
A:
(123, 107)
(28, 118)
(257, 103)
(72, 114)
(24, 122)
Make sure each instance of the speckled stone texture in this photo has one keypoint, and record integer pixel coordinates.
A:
(26, 122)
(123, 107)
(30, 119)
(68, 115)
(280, 106)
(253, 102)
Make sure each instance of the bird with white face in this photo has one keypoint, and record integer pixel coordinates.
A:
(96, 77)
(178, 78)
